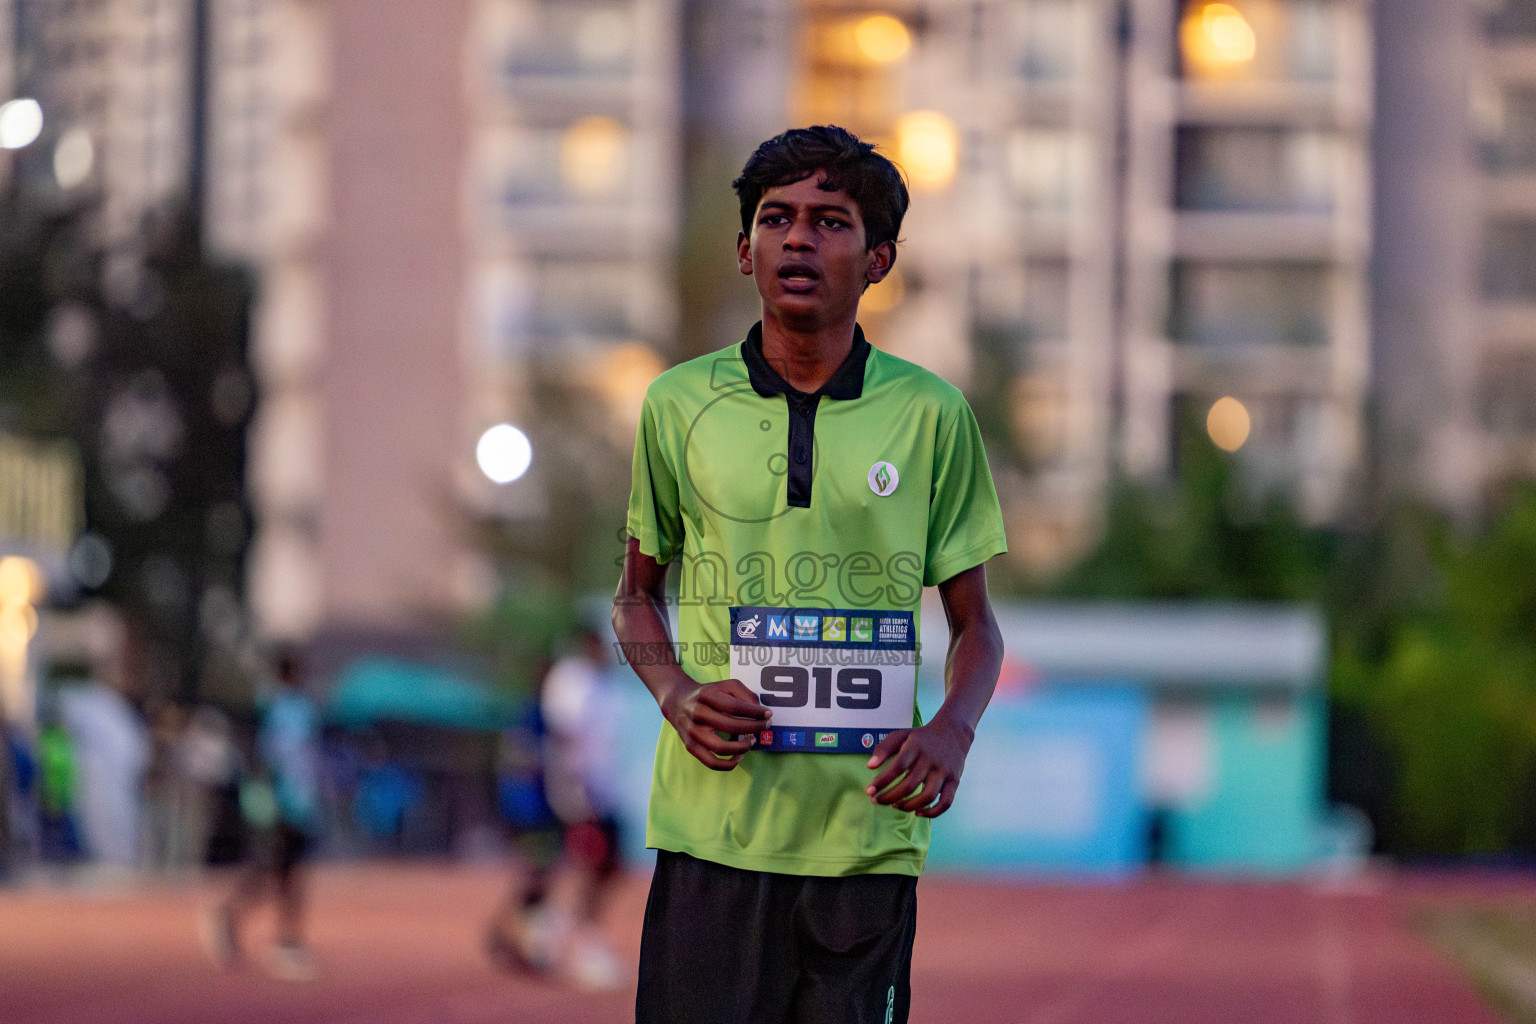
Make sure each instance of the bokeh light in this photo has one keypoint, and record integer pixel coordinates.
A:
(594, 156)
(1217, 39)
(21, 122)
(73, 158)
(1228, 424)
(504, 453)
(928, 148)
(882, 38)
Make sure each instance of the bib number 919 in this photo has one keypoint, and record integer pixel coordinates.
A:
(790, 686)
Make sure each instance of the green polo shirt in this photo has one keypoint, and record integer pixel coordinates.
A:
(856, 497)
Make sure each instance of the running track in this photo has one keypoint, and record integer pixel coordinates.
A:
(399, 945)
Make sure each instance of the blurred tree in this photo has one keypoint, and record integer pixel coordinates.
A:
(1202, 536)
(170, 399)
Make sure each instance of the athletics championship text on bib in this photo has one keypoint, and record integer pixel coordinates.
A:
(838, 680)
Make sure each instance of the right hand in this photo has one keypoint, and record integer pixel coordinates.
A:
(700, 714)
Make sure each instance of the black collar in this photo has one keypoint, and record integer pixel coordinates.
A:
(845, 383)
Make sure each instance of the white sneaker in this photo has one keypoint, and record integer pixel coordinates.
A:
(541, 936)
(592, 965)
(291, 962)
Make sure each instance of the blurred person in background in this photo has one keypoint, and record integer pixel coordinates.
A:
(577, 708)
(111, 753)
(58, 838)
(280, 799)
(161, 837)
(208, 763)
(17, 808)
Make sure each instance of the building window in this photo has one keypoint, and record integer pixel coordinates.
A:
(1256, 169)
(1509, 126)
(1044, 36)
(1512, 18)
(1226, 305)
(1507, 393)
(1509, 261)
(1028, 300)
(1046, 167)
(572, 38)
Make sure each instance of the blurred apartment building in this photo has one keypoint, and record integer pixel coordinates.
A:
(1455, 281)
(1121, 212)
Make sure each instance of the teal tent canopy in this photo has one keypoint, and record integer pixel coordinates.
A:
(386, 689)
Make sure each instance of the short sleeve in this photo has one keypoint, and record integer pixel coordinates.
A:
(965, 523)
(654, 517)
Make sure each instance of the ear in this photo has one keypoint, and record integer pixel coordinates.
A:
(881, 259)
(744, 253)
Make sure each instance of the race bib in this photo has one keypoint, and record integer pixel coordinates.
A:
(838, 681)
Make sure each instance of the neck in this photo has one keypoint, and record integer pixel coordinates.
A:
(806, 357)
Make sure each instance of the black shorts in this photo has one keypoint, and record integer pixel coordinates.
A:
(752, 947)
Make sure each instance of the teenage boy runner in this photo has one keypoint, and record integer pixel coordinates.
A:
(810, 486)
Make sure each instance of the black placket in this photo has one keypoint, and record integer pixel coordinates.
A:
(846, 383)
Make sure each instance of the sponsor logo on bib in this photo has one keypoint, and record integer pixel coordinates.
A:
(883, 478)
(807, 627)
(747, 628)
(826, 739)
(834, 627)
(868, 740)
(861, 630)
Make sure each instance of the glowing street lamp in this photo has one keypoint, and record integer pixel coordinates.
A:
(504, 453)
(21, 122)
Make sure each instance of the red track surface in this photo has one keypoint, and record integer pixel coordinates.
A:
(400, 945)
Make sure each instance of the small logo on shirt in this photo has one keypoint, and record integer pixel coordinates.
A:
(883, 478)
(834, 627)
(747, 628)
(807, 626)
(826, 739)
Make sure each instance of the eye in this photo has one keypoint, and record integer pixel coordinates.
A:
(772, 219)
(833, 222)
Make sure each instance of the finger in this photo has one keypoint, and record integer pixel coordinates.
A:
(901, 762)
(942, 804)
(711, 760)
(705, 715)
(731, 745)
(907, 784)
(926, 792)
(887, 747)
(733, 704)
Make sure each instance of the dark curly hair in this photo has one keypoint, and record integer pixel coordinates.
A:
(849, 164)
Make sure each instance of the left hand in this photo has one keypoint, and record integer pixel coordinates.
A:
(924, 764)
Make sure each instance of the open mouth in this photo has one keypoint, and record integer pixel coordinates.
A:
(799, 276)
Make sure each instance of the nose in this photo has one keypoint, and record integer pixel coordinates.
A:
(799, 237)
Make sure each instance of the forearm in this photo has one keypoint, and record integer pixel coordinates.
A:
(975, 655)
(645, 639)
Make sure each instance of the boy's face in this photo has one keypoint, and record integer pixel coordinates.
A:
(807, 255)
